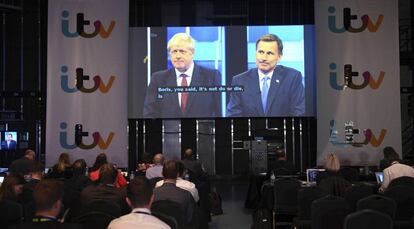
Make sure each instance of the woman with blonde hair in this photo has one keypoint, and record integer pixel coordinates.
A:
(63, 168)
(332, 163)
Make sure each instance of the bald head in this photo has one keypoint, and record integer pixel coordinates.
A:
(30, 154)
(188, 154)
(159, 159)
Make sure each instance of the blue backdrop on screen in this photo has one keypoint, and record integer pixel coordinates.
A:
(211, 53)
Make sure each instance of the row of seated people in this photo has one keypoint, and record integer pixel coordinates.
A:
(81, 192)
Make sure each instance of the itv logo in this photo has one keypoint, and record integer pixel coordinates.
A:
(349, 75)
(99, 28)
(348, 18)
(350, 132)
(80, 79)
(79, 135)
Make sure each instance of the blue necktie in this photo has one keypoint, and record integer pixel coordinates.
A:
(265, 90)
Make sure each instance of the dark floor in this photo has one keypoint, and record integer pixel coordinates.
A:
(233, 194)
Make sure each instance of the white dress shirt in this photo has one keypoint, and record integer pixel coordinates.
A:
(138, 219)
(183, 184)
(189, 74)
(394, 171)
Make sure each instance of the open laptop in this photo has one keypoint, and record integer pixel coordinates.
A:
(380, 177)
(311, 175)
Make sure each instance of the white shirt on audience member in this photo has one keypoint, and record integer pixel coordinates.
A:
(394, 171)
(138, 220)
(183, 184)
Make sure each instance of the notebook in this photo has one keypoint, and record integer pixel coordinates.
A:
(380, 177)
(311, 175)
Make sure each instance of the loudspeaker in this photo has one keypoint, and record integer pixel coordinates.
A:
(259, 156)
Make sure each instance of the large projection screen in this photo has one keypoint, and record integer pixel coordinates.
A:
(220, 54)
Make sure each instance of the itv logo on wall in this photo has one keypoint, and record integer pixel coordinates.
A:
(80, 136)
(83, 25)
(351, 23)
(80, 82)
(349, 75)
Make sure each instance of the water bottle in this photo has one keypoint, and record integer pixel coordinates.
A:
(132, 175)
(272, 178)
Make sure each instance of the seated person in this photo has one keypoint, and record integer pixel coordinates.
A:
(106, 189)
(47, 196)
(156, 170)
(395, 170)
(169, 191)
(332, 167)
(36, 175)
(181, 183)
(100, 160)
(282, 163)
(63, 169)
(146, 162)
(140, 198)
(22, 165)
(12, 187)
(387, 152)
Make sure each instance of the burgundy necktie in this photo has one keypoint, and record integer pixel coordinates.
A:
(184, 95)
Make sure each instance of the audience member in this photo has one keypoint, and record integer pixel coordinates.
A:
(139, 198)
(106, 189)
(74, 186)
(156, 170)
(282, 163)
(330, 181)
(193, 166)
(63, 169)
(12, 187)
(48, 199)
(169, 191)
(331, 166)
(388, 151)
(22, 165)
(146, 162)
(395, 170)
(36, 175)
(181, 183)
(101, 159)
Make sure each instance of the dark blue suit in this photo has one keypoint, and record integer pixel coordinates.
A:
(12, 145)
(199, 104)
(286, 96)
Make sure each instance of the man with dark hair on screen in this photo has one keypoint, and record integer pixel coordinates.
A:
(181, 48)
(9, 143)
(269, 89)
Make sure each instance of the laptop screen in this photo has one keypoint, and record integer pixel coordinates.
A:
(311, 175)
(380, 177)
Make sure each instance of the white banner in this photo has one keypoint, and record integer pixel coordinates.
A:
(87, 80)
(358, 94)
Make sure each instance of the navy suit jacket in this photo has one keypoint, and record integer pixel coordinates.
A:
(286, 96)
(12, 144)
(199, 104)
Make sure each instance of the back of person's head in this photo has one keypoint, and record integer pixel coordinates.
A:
(30, 154)
(99, 161)
(36, 168)
(46, 193)
(332, 163)
(169, 171)
(64, 162)
(188, 154)
(79, 167)
(180, 168)
(139, 192)
(107, 174)
(11, 187)
(158, 159)
(280, 154)
(390, 154)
